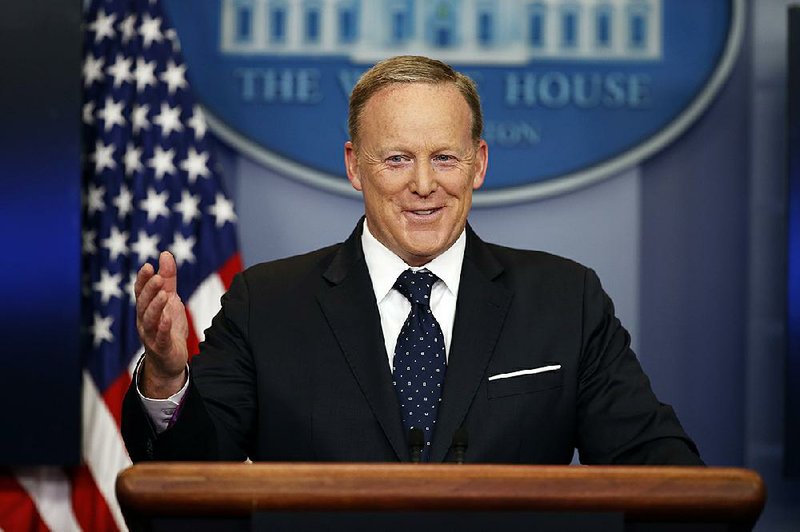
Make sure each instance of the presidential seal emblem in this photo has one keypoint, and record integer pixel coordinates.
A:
(573, 90)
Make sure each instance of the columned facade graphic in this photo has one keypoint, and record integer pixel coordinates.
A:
(462, 31)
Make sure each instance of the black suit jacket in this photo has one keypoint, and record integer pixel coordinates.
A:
(294, 368)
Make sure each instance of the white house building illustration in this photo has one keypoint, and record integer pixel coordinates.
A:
(459, 31)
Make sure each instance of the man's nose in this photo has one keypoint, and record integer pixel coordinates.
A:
(424, 182)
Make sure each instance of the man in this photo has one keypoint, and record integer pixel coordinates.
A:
(353, 352)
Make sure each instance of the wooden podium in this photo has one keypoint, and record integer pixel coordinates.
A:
(226, 496)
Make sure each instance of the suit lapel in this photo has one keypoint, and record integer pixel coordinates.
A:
(480, 313)
(352, 313)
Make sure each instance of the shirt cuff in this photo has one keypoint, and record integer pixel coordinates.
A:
(162, 412)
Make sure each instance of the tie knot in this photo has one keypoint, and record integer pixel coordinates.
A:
(416, 285)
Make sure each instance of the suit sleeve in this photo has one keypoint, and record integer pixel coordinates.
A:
(620, 420)
(216, 418)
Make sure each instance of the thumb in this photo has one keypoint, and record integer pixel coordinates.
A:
(168, 270)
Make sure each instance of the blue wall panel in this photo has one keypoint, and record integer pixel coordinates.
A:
(40, 236)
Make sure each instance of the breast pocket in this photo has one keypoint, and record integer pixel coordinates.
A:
(537, 382)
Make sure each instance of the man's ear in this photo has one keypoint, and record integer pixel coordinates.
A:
(481, 164)
(351, 165)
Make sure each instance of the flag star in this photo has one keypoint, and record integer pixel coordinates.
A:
(108, 286)
(111, 114)
(198, 122)
(155, 204)
(116, 243)
(121, 70)
(103, 25)
(123, 202)
(132, 159)
(189, 207)
(101, 329)
(103, 156)
(95, 200)
(146, 246)
(169, 119)
(139, 118)
(87, 114)
(195, 164)
(145, 74)
(150, 30)
(161, 162)
(181, 248)
(89, 236)
(128, 27)
(222, 210)
(174, 76)
(92, 69)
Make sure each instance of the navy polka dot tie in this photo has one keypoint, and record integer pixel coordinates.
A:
(419, 358)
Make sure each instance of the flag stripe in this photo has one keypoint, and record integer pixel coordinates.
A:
(89, 505)
(103, 449)
(192, 342)
(49, 488)
(17, 511)
(204, 303)
(228, 270)
(114, 394)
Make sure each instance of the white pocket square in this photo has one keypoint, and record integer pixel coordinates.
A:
(521, 372)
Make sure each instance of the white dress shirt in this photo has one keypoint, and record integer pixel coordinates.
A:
(384, 269)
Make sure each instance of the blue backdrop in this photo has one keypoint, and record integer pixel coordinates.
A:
(40, 240)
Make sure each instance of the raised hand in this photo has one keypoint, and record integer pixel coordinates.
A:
(162, 327)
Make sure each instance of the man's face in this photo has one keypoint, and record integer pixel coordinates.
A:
(417, 165)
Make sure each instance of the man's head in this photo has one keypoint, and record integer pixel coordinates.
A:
(415, 154)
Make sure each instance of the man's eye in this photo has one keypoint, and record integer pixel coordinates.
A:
(396, 159)
(442, 158)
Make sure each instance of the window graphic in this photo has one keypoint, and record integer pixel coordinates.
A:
(312, 24)
(536, 28)
(603, 25)
(278, 24)
(569, 26)
(638, 25)
(443, 24)
(348, 22)
(244, 21)
(485, 28)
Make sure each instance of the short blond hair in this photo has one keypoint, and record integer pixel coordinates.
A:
(411, 69)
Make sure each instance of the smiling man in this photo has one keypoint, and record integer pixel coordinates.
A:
(413, 339)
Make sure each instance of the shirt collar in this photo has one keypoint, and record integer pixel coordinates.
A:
(385, 267)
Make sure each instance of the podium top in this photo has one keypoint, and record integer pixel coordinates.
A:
(710, 494)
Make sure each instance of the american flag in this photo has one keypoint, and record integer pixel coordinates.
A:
(150, 184)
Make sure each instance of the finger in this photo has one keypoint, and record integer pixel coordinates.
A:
(150, 289)
(163, 336)
(144, 275)
(169, 271)
(151, 316)
(172, 332)
(177, 313)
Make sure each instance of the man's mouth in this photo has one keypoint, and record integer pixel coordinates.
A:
(423, 212)
(424, 215)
